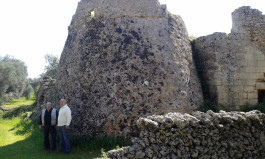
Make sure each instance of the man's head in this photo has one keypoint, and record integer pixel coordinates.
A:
(62, 102)
(48, 106)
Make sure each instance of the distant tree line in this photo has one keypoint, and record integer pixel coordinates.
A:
(50, 70)
(14, 82)
(13, 79)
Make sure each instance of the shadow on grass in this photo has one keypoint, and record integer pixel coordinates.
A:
(18, 111)
(32, 147)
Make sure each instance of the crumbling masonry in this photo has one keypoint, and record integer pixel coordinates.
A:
(234, 64)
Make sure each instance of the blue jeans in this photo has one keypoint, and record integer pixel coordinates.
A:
(64, 139)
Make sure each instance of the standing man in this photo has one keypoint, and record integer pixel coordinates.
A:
(48, 121)
(64, 121)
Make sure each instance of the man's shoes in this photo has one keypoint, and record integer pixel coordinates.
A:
(67, 153)
(53, 150)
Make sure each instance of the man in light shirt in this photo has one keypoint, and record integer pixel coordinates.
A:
(64, 120)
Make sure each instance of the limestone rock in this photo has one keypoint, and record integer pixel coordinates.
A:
(48, 92)
(241, 136)
(234, 64)
(131, 59)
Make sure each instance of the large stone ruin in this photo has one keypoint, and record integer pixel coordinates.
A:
(234, 64)
(47, 92)
(124, 59)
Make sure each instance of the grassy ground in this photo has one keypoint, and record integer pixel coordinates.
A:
(20, 137)
(20, 102)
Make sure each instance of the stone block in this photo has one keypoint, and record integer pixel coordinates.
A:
(249, 56)
(260, 69)
(253, 95)
(253, 76)
(243, 76)
(261, 63)
(243, 95)
(248, 89)
(260, 85)
(259, 57)
(250, 82)
(237, 88)
(251, 69)
(243, 102)
(251, 63)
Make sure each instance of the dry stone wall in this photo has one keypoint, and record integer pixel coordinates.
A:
(198, 135)
(234, 64)
(129, 59)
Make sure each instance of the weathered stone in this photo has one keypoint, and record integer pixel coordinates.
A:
(204, 140)
(48, 92)
(234, 64)
(131, 59)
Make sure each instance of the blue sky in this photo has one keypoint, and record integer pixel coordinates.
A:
(32, 28)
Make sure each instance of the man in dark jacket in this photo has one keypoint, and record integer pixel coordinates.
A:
(48, 121)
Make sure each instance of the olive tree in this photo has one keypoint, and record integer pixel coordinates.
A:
(13, 79)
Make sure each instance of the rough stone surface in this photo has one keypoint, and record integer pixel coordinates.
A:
(48, 92)
(198, 135)
(131, 59)
(234, 64)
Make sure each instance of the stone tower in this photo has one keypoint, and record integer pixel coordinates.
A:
(124, 59)
(234, 64)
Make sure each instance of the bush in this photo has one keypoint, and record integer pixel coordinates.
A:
(13, 79)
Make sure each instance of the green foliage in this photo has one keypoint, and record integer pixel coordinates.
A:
(103, 153)
(35, 84)
(192, 38)
(1, 113)
(28, 90)
(13, 79)
(16, 112)
(14, 103)
(51, 68)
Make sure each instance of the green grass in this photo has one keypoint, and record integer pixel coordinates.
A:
(7, 132)
(20, 137)
(20, 102)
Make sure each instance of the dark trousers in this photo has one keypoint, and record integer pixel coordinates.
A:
(64, 139)
(49, 131)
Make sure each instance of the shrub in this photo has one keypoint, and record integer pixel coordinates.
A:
(17, 112)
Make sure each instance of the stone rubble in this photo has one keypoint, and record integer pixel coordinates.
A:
(198, 135)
